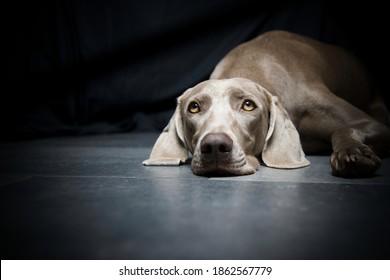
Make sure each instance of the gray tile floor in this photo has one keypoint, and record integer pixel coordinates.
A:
(90, 198)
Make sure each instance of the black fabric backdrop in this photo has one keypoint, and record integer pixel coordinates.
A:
(98, 66)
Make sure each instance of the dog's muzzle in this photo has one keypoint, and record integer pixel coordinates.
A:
(217, 157)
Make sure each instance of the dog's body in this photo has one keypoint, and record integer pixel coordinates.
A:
(261, 94)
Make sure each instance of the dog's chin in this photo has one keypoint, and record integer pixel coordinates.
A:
(225, 169)
(223, 172)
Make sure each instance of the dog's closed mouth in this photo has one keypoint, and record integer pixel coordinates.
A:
(221, 168)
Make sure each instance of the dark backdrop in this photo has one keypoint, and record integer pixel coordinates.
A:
(99, 66)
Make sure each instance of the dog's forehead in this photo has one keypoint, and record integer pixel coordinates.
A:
(220, 88)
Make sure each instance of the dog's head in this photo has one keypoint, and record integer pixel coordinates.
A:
(229, 126)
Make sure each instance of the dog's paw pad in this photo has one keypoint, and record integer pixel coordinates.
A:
(358, 161)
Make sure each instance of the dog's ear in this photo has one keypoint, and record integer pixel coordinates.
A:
(282, 148)
(169, 148)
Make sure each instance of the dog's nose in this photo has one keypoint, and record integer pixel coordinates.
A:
(216, 144)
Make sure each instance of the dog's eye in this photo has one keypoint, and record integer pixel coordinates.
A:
(193, 107)
(248, 105)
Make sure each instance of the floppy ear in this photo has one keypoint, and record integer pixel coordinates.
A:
(282, 148)
(169, 148)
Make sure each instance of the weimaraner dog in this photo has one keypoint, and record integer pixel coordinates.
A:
(270, 101)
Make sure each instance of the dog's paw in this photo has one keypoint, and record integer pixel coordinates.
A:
(358, 161)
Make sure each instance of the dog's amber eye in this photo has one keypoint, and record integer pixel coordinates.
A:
(193, 107)
(248, 105)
